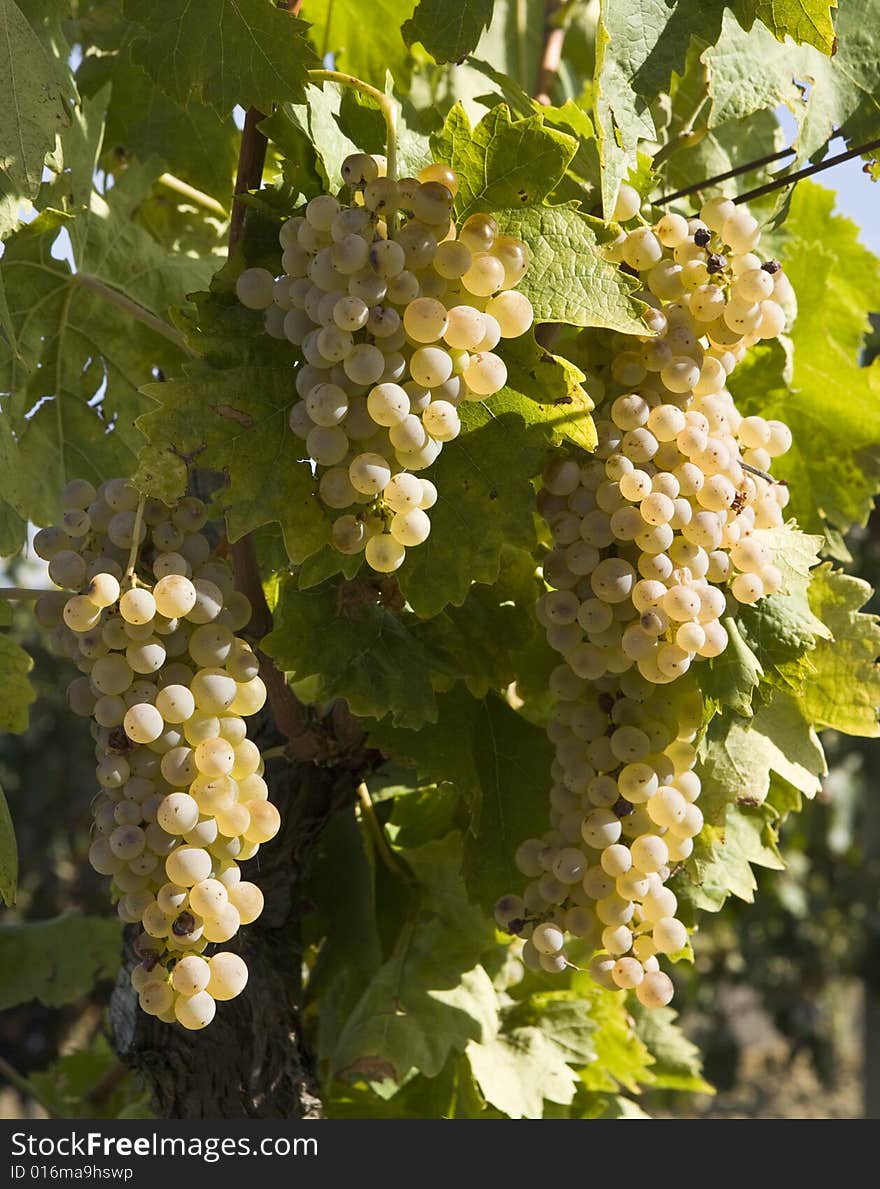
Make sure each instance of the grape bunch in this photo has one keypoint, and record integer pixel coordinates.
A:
(167, 684)
(397, 315)
(655, 540)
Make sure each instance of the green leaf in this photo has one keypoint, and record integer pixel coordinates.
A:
(449, 32)
(739, 755)
(160, 474)
(731, 679)
(486, 501)
(354, 648)
(195, 145)
(529, 1060)
(13, 530)
(478, 641)
(235, 421)
(782, 628)
(340, 885)
(431, 997)
(223, 51)
(69, 1086)
(568, 279)
(677, 1063)
(35, 110)
(828, 398)
(554, 382)
(502, 163)
(721, 865)
(499, 762)
(338, 29)
(640, 46)
(82, 358)
(844, 691)
(751, 71)
(622, 1059)
(803, 20)
(16, 691)
(59, 960)
(8, 855)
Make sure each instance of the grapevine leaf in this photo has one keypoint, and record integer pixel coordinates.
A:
(676, 1059)
(16, 692)
(731, 678)
(622, 1058)
(354, 648)
(508, 167)
(722, 145)
(13, 530)
(431, 996)
(81, 358)
(806, 21)
(844, 691)
(8, 854)
(223, 51)
(144, 122)
(485, 501)
(553, 382)
(160, 474)
(338, 28)
(639, 46)
(502, 163)
(341, 887)
(499, 762)
(235, 421)
(478, 641)
(751, 72)
(568, 280)
(739, 755)
(721, 865)
(828, 399)
(58, 960)
(35, 110)
(530, 1059)
(86, 1084)
(449, 32)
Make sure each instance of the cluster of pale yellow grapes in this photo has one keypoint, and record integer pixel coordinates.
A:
(397, 314)
(167, 685)
(655, 540)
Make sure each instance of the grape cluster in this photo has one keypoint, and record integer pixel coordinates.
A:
(397, 315)
(167, 685)
(655, 541)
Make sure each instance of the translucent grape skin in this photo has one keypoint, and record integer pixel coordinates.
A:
(656, 538)
(167, 684)
(391, 327)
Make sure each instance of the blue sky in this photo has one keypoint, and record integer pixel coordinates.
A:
(857, 196)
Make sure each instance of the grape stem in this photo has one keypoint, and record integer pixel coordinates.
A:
(199, 197)
(387, 105)
(380, 842)
(9, 593)
(746, 466)
(135, 543)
